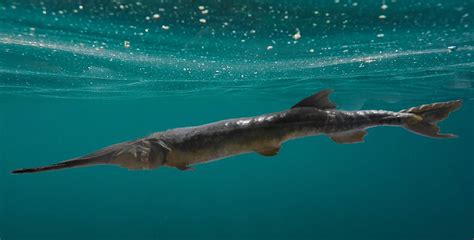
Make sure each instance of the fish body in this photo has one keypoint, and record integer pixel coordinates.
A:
(315, 115)
(264, 134)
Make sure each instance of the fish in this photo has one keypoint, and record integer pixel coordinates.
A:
(181, 148)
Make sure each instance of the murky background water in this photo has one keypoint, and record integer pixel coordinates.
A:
(76, 76)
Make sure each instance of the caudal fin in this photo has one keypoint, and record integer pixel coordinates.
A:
(427, 116)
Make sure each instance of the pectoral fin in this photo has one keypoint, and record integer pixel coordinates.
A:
(184, 168)
(268, 151)
(354, 136)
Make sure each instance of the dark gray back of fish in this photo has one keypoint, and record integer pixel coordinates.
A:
(296, 122)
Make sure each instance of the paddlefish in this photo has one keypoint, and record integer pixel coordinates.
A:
(181, 148)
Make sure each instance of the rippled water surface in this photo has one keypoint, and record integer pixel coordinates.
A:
(156, 49)
(78, 75)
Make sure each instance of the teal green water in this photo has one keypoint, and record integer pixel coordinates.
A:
(75, 77)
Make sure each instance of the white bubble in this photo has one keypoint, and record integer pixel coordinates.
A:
(452, 48)
(126, 44)
(297, 35)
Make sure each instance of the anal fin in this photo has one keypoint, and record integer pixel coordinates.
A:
(268, 151)
(353, 136)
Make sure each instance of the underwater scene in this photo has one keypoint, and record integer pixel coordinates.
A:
(78, 76)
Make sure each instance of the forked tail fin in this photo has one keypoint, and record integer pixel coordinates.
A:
(427, 116)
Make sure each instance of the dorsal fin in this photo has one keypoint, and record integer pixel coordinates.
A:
(318, 100)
